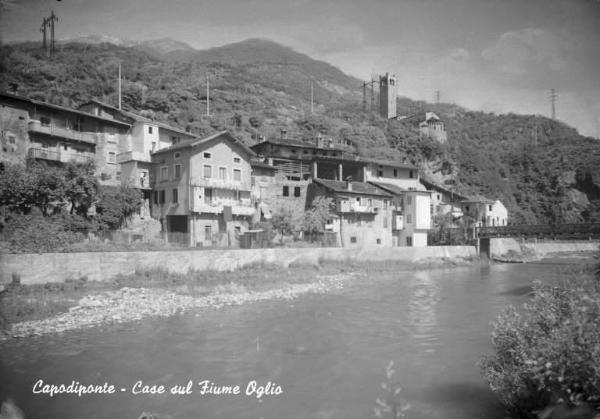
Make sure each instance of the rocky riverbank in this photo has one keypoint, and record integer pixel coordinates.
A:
(131, 304)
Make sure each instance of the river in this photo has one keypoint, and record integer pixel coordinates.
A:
(327, 352)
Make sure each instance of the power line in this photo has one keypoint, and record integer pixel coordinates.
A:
(553, 97)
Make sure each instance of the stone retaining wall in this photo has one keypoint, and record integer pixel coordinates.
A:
(511, 250)
(101, 266)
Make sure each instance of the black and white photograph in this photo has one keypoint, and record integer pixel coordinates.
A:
(300, 209)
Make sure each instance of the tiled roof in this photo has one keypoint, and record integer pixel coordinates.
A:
(388, 187)
(60, 108)
(357, 187)
(196, 142)
(390, 163)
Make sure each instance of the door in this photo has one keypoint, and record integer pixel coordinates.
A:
(208, 194)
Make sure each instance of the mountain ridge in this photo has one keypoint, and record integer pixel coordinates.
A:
(259, 87)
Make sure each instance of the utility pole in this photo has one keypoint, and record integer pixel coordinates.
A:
(364, 86)
(437, 96)
(553, 97)
(43, 31)
(207, 96)
(53, 18)
(119, 84)
(312, 97)
(372, 93)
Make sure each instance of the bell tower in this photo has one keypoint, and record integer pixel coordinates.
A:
(387, 96)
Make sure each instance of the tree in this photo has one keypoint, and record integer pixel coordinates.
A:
(81, 187)
(17, 188)
(316, 217)
(116, 204)
(283, 222)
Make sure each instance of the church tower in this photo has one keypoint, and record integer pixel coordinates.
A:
(387, 96)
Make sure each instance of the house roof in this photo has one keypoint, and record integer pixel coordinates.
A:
(477, 199)
(395, 189)
(139, 118)
(432, 185)
(302, 144)
(59, 108)
(197, 142)
(359, 188)
(390, 163)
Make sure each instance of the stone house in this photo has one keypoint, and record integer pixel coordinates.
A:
(433, 127)
(57, 134)
(363, 212)
(202, 190)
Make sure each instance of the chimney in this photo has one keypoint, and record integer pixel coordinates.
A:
(349, 185)
(270, 161)
(284, 134)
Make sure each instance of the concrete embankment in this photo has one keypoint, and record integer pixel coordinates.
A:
(510, 250)
(102, 266)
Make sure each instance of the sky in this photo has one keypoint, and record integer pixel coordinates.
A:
(492, 55)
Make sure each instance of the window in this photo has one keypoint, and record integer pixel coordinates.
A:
(156, 197)
(164, 173)
(45, 121)
(369, 202)
(408, 218)
(162, 197)
(438, 197)
(222, 173)
(207, 155)
(385, 204)
(237, 175)
(177, 155)
(378, 241)
(286, 191)
(490, 207)
(395, 172)
(65, 147)
(175, 196)
(207, 171)
(11, 139)
(153, 145)
(177, 171)
(409, 200)
(207, 233)
(409, 241)
(112, 157)
(44, 145)
(410, 174)
(380, 172)
(353, 239)
(296, 191)
(237, 229)
(385, 222)
(118, 176)
(149, 130)
(236, 160)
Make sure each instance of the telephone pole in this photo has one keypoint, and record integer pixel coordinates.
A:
(43, 31)
(53, 18)
(119, 84)
(312, 98)
(207, 96)
(553, 97)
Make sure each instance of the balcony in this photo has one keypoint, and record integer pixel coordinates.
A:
(355, 207)
(45, 154)
(234, 185)
(54, 131)
(216, 206)
(133, 156)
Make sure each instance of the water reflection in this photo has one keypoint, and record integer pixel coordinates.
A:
(424, 294)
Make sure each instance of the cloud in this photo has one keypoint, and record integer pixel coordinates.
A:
(525, 50)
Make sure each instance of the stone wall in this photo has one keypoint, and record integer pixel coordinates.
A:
(57, 267)
(510, 250)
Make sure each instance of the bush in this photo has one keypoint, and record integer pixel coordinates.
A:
(549, 353)
(37, 234)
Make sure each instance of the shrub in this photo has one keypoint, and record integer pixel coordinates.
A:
(37, 234)
(549, 352)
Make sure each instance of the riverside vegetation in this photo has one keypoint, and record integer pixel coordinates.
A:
(546, 360)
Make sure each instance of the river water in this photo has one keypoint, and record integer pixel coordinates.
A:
(327, 352)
